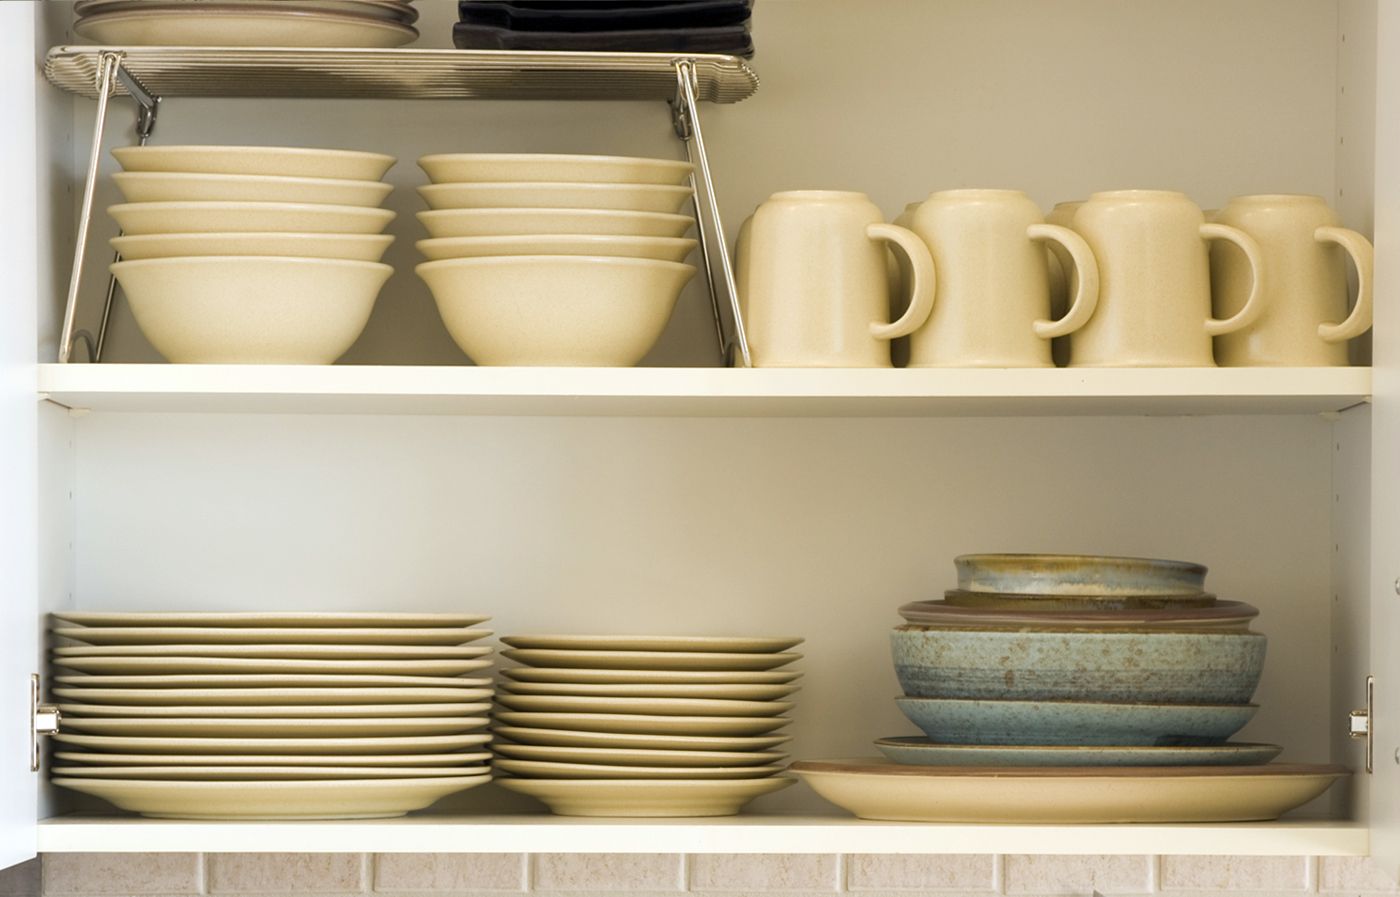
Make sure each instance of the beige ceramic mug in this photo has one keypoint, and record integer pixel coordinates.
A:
(992, 303)
(1305, 319)
(816, 283)
(1154, 267)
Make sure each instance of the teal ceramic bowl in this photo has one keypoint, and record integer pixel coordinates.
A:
(922, 752)
(954, 721)
(1129, 667)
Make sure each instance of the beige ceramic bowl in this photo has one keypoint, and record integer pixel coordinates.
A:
(141, 218)
(359, 247)
(476, 168)
(520, 222)
(251, 310)
(667, 249)
(203, 26)
(165, 186)
(555, 310)
(284, 161)
(557, 195)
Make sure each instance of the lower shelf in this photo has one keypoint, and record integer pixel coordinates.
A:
(524, 833)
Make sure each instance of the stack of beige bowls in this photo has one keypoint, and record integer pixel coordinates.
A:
(644, 725)
(270, 716)
(251, 255)
(247, 23)
(555, 259)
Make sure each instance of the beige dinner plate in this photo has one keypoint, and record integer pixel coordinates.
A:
(667, 643)
(656, 706)
(184, 186)
(215, 727)
(250, 647)
(103, 759)
(419, 744)
(644, 724)
(164, 665)
(237, 28)
(580, 676)
(650, 690)
(243, 701)
(258, 709)
(546, 769)
(876, 789)
(168, 684)
(629, 741)
(444, 636)
(650, 660)
(634, 798)
(256, 619)
(330, 799)
(264, 773)
(636, 756)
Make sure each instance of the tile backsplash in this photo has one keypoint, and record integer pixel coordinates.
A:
(717, 875)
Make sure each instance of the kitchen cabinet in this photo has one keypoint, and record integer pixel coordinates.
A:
(682, 496)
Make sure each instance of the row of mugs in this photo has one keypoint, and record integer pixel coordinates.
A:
(1134, 278)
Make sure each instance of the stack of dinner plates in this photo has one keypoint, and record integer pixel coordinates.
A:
(644, 725)
(270, 715)
(247, 23)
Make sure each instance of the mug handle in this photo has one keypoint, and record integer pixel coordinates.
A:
(1363, 256)
(1086, 298)
(1253, 305)
(921, 284)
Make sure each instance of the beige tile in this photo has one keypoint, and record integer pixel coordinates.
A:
(21, 880)
(606, 872)
(911, 872)
(764, 872)
(1077, 874)
(1226, 873)
(1353, 875)
(283, 873)
(121, 873)
(449, 872)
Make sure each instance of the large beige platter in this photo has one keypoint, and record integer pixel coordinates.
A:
(627, 741)
(177, 186)
(331, 799)
(632, 798)
(142, 218)
(669, 249)
(518, 222)
(649, 660)
(272, 711)
(251, 647)
(442, 636)
(664, 199)
(874, 789)
(668, 643)
(657, 706)
(265, 773)
(103, 759)
(338, 683)
(636, 756)
(213, 727)
(108, 665)
(236, 28)
(353, 247)
(581, 676)
(263, 619)
(537, 769)
(421, 744)
(356, 701)
(644, 724)
(651, 690)
(446, 168)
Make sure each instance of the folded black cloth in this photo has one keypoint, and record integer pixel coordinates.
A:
(605, 15)
(733, 40)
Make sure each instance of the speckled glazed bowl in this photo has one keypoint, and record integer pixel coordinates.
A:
(953, 721)
(1077, 574)
(1157, 667)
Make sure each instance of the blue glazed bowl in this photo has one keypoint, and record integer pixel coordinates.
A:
(1076, 723)
(1127, 667)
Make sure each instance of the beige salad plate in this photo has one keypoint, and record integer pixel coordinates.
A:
(195, 727)
(163, 665)
(237, 28)
(664, 643)
(601, 797)
(552, 770)
(386, 761)
(252, 648)
(650, 690)
(644, 724)
(656, 706)
(257, 619)
(425, 744)
(585, 676)
(265, 773)
(629, 741)
(649, 660)
(444, 636)
(158, 701)
(338, 683)
(259, 708)
(636, 756)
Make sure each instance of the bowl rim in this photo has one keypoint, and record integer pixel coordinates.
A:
(486, 211)
(280, 179)
(580, 239)
(523, 186)
(520, 261)
(220, 205)
(255, 234)
(224, 149)
(245, 260)
(553, 157)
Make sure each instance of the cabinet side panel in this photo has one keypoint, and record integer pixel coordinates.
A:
(1351, 595)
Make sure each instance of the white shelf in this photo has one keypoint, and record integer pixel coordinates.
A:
(736, 834)
(699, 392)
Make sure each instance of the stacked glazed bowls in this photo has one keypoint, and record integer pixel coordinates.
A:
(251, 255)
(247, 23)
(555, 259)
(271, 716)
(1067, 660)
(644, 725)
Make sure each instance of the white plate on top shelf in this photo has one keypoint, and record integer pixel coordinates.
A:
(331, 799)
(583, 676)
(264, 773)
(102, 759)
(108, 665)
(636, 756)
(424, 744)
(722, 644)
(650, 690)
(644, 724)
(252, 648)
(257, 619)
(629, 741)
(169, 685)
(541, 769)
(209, 727)
(631, 798)
(657, 706)
(219, 28)
(177, 701)
(649, 660)
(272, 711)
(442, 636)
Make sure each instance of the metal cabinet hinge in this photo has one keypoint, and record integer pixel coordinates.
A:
(44, 719)
(1359, 722)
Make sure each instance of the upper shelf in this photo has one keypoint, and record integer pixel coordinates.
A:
(403, 74)
(700, 392)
